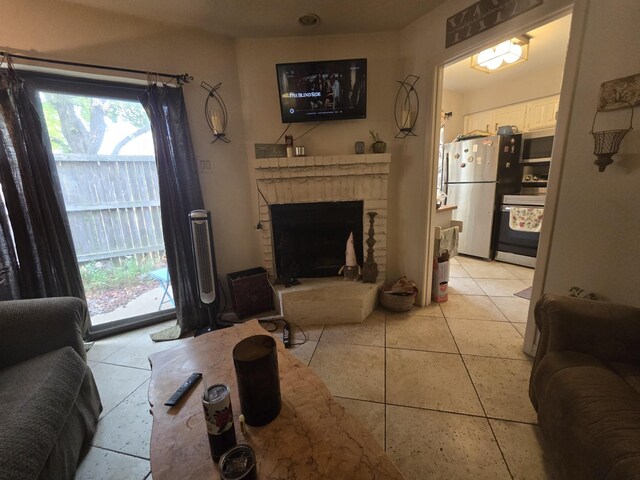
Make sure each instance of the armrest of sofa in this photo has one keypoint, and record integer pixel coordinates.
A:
(36, 326)
(608, 331)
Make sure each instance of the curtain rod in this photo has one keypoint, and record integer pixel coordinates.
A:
(180, 78)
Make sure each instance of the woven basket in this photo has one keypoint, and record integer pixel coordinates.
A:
(396, 303)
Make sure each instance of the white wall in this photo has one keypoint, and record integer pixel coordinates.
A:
(594, 242)
(256, 66)
(453, 102)
(541, 84)
(76, 33)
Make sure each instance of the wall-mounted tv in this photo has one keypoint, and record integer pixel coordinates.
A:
(327, 90)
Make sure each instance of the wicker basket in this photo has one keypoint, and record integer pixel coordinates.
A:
(396, 303)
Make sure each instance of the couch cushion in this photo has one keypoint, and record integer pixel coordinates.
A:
(36, 397)
(629, 373)
(590, 417)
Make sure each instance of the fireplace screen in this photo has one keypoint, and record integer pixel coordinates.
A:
(310, 238)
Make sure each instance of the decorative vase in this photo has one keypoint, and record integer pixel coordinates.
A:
(370, 267)
(379, 147)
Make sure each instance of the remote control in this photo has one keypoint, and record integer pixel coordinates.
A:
(183, 389)
(286, 335)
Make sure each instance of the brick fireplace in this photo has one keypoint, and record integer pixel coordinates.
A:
(336, 178)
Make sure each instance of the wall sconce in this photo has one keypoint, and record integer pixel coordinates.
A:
(215, 112)
(502, 55)
(407, 107)
(607, 142)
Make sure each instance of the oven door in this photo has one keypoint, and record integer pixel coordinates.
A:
(516, 240)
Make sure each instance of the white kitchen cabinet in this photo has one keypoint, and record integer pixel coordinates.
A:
(533, 115)
(542, 113)
(482, 121)
(510, 115)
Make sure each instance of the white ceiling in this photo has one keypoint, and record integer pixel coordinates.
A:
(547, 49)
(273, 18)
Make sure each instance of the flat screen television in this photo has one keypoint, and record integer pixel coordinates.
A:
(326, 90)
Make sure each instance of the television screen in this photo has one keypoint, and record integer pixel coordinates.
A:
(328, 90)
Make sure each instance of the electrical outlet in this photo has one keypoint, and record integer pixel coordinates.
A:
(204, 165)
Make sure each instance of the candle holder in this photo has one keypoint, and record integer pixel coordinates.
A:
(407, 107)
(215, 112)
(370, 267)
(607, 142)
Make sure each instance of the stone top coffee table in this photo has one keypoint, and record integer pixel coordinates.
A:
(312, 438)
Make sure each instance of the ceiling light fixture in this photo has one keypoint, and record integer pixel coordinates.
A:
(309, 20)
(502, 55)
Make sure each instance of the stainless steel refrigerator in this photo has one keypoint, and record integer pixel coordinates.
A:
(479, 172)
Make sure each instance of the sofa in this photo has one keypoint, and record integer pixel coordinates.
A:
(585, 386)
(49, 402)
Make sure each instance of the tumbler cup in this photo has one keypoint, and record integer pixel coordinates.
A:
(219, 417)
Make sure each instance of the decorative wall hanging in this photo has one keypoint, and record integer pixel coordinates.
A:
(407, 107)
(607, 142)
(215, 112)
(482, 16)
(620, 93)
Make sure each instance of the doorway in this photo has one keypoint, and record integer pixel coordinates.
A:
(475, 104)
(100, 139)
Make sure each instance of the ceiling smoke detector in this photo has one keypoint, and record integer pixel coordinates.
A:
(309, 20)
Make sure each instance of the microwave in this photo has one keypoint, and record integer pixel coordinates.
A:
(537, 146)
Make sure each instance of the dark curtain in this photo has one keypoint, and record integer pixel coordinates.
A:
(180, 193)
(36, 248)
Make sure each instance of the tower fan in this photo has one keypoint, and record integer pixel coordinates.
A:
(205, 263)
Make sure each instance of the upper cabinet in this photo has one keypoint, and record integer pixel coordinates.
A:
(532, 115)
(482, 121)
(510, 115)
(542, 113)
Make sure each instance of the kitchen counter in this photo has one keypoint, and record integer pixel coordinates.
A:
(446, 208)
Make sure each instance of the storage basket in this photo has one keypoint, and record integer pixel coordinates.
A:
(250, 292)
(396, 303)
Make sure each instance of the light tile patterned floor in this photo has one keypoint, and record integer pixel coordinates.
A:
(443, 388)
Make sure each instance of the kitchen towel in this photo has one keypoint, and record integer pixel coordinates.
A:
(449, 241)
(526, 219)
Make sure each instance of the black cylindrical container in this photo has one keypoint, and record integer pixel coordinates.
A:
(219, 417)
(256, 362)
(239, 463)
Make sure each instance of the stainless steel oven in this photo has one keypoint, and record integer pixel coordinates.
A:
(519, 232)
(537, 146)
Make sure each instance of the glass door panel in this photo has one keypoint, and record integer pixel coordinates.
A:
(105, 162)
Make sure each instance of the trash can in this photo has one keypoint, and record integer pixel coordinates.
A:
(250, 292)
(440, 282)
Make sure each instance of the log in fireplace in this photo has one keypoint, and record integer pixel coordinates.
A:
(310, 238)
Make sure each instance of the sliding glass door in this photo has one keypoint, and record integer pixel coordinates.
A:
(103, 149)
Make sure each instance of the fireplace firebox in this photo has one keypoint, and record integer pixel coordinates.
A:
(310, 238)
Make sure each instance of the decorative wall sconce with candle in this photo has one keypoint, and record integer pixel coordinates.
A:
(407, 107)
(607, 142)
(614, 94)
(215, 112)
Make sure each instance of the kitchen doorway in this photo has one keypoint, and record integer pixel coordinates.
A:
(522, 98)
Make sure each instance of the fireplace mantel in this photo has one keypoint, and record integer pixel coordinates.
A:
(332, 178)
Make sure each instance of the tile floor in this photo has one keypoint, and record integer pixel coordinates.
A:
(442, 388)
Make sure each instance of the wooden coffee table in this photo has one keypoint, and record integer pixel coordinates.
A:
(312, 438)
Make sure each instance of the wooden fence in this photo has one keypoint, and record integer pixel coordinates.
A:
(113, 205)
